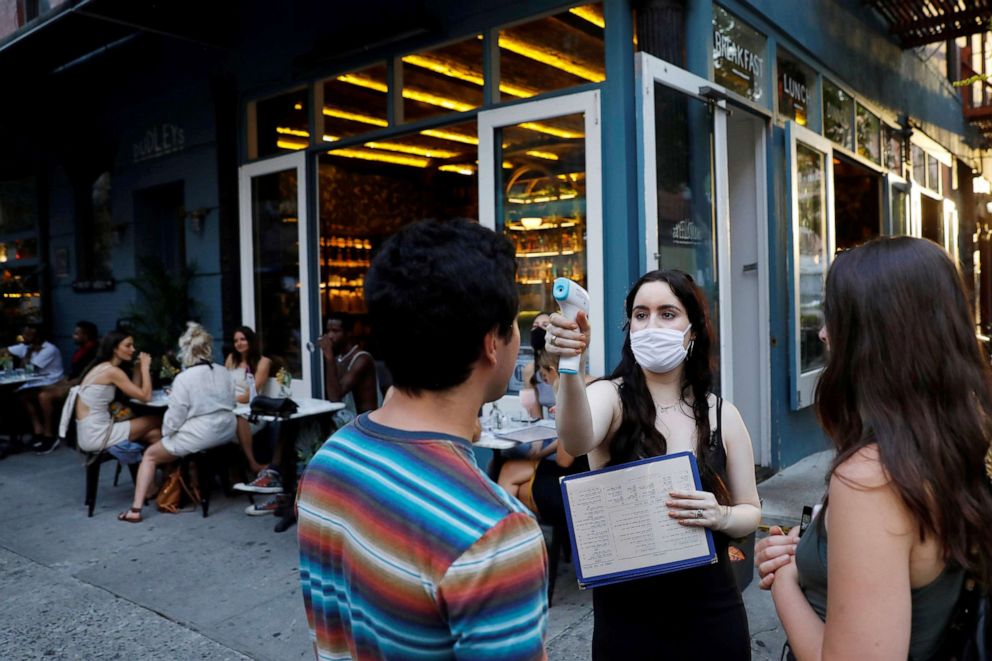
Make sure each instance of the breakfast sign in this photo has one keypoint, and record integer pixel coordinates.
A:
(738, 55)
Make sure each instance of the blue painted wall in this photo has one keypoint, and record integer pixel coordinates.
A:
(139, 99)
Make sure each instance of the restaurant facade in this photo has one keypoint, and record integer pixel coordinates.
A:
(273, 147)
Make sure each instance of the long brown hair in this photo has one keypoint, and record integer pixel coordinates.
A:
(254, 353)
(638, 437)
(905, 372)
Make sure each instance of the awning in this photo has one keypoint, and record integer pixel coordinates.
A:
(919, 22)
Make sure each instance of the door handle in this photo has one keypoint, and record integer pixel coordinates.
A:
(753, 266)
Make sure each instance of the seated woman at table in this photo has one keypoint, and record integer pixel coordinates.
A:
(200, 414)
(95, 429)
(547, 461)
(247, 359)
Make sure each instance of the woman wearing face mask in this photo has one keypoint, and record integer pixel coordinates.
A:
(657, 401)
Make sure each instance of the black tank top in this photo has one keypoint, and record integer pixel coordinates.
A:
(690, 614)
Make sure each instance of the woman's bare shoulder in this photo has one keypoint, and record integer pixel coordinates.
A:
(863, 469)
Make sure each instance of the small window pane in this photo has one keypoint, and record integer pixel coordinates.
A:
(282, 124)
(869, 135)
(795, 86)
(919, 165)
(18, 206)
(443, 80)
(738, 55)
(552, 53)
(893, 149)
(900, 212)
(945, 180)
(354, 103)
(933, 173)
(838, 110)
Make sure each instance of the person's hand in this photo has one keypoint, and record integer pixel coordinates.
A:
(785, 575)
(773, 553)
(697, 508)
(566, 337)
(144, 360)
(326, 347)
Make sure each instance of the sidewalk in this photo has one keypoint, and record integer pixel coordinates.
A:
(224, 587)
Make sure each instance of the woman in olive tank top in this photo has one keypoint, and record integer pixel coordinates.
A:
(658, 400)
(906, 398)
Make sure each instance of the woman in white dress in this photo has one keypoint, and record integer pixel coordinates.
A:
(200, 414)
(247, 359)
(95, 429)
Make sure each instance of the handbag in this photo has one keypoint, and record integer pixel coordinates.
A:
(170, 496)
(278, 407)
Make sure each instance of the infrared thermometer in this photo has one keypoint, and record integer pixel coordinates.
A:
(572, 299)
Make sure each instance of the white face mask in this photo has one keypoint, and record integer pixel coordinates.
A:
(659, 350)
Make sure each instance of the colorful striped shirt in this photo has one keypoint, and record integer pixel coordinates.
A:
(409, 551)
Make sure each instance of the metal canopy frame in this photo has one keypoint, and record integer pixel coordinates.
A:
(920, 22)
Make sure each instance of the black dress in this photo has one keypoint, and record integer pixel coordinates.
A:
(693, 614)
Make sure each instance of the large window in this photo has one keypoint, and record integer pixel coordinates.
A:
(368, 192)
(552, 53)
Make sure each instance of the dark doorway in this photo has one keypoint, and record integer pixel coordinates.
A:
(857, 203)
(932, 219)
(158, 222)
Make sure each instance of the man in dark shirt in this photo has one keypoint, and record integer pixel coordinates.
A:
(349, 373)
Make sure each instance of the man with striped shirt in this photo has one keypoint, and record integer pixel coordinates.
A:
(407, 549)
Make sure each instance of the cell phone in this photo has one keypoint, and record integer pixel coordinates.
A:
(805, 520)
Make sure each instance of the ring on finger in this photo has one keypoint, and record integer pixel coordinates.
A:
(699, 514)
(552, 340)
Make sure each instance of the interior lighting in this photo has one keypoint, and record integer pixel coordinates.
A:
(458, 169)
(546, 155)
(508, 165)
(284, 143)
(543, 198)
(362, 81)
(532, 223)
(550, 57)
(413, 95)
(284, 130)
(395, 159)
(412, 149)
(330, 138)
(297, 106)
(453, 69)
(354, 116)
(552, 130)
(435, 100)
(590, 14)
(452, 136)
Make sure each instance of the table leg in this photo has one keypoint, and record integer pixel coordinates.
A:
(288, 431)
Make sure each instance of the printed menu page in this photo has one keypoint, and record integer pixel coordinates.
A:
(619, 521)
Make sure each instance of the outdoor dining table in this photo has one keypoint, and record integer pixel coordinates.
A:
(308, 407)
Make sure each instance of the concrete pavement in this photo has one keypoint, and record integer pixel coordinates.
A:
(224, 587)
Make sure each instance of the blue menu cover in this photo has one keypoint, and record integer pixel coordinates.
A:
(619, 525)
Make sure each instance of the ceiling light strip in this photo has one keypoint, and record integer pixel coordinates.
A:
(550, 57)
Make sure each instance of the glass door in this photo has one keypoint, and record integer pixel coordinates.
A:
(810, 187)
(540, 184)
(684, 214)
(275, 293)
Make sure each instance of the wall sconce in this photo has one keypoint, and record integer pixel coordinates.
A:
(196, 218)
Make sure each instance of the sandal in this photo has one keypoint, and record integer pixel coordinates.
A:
(123, 516)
